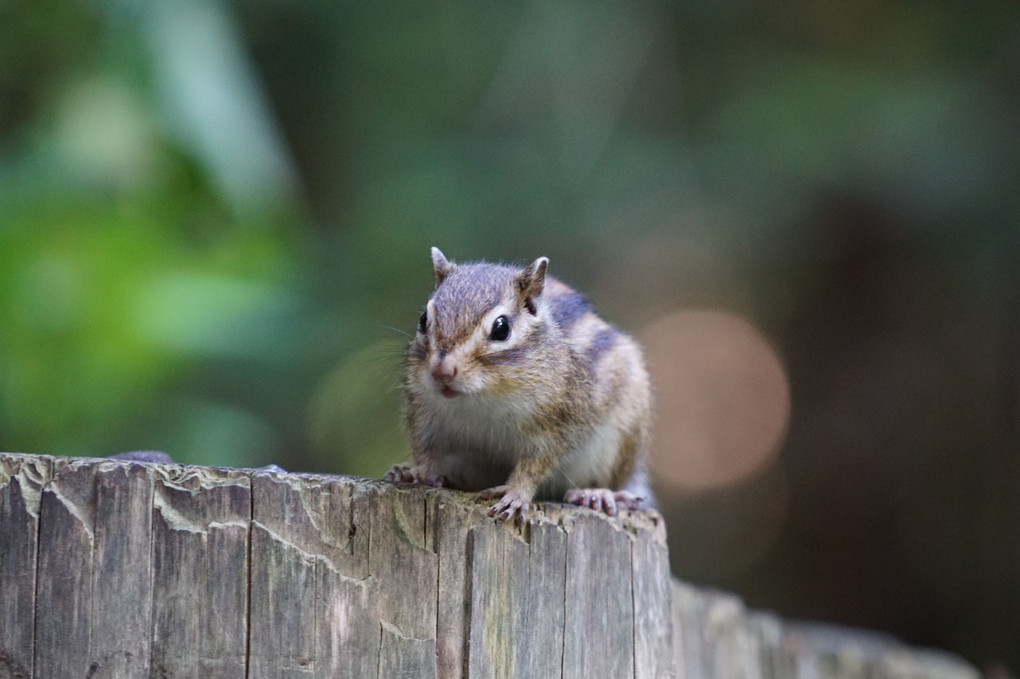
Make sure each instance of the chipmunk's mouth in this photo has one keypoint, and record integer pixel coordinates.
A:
(449, 393)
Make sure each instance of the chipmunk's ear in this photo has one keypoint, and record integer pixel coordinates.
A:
(531, 282)
(442, 266)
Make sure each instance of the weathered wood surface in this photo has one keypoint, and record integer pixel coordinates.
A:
(124, 569)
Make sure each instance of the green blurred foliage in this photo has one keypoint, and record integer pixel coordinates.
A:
(215, 220)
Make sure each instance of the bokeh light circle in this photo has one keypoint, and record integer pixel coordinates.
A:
(722, 399)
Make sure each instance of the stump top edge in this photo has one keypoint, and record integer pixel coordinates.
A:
(556, 514)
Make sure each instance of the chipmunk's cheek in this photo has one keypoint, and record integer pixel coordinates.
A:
(503, 386)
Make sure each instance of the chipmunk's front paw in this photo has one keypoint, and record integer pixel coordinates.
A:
(512, 504)
(602, 499)
(403, 473)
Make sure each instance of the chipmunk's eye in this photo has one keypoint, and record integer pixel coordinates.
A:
(500, 329)
(422, 321)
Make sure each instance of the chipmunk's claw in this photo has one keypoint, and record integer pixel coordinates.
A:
(602, 499)
(512, 504)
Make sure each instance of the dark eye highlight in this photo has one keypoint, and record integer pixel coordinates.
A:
(422, 321)
(500, 329)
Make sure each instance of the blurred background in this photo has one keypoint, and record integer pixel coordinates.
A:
(215, 220)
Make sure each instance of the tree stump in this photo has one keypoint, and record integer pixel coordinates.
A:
(127, 569)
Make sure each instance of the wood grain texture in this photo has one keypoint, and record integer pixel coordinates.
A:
(499, 606)
(541, 646)
(63, 609)
(653, 616)
(21, 483)
(121, 572)
(314, 609)
(599, 617)
(131, 569)
(453, 526)
(200, 528)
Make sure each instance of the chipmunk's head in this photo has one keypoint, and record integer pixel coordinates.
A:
(480, 330)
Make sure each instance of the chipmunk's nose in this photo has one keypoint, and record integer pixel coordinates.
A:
(444, 371)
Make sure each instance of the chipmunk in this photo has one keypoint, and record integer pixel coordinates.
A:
(516, 388)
